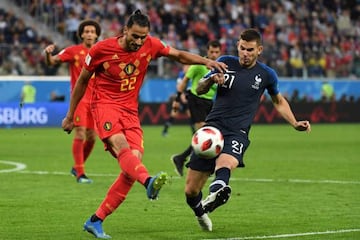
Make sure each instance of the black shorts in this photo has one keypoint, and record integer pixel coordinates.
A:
(183, 105)
(235, 144)
(199, 107)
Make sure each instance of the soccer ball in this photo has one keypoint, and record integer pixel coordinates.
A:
(207, 142)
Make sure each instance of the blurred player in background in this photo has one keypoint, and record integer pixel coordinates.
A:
(28, 93)
(238, 96)
(199, 105)
(85, 136)
(120, 64)
(176, 109)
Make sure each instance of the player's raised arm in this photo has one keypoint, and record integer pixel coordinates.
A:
(185, 57)
(50, 59)
(206, 82)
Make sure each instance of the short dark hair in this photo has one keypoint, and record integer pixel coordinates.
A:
(251, 34)
(88, 22)
(138, 18)
(214, 44)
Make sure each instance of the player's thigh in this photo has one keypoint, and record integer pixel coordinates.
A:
(235, 144)
(111, 120)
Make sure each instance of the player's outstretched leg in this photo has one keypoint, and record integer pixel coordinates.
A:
(216, 199)
(95, 228)
(205, 222)
(155, 185)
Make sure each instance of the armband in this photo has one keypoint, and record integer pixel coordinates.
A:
(178, 96)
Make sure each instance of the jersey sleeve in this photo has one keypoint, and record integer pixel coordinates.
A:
(90, 59)
(159, 47)
(190, 72)
(66, 55)
(273, 88)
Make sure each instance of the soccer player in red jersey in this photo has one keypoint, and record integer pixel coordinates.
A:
(120, 64)
(85, 135)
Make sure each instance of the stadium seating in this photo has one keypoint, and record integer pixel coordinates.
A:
(301, 38)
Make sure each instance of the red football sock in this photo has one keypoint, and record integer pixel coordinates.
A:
(88, 147)
(115, 196)
(132, 165)
(78, 155)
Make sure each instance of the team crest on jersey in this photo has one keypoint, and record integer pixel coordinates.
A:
(107, 126)
(130, 68)
(77, 119)
(257, 82)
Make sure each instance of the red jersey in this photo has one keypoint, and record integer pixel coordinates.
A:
(75, 57)
(119, 74)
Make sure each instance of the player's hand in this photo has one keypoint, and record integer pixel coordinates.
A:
(303, 126)
(219, 66)
(67, 124)
(50, 48)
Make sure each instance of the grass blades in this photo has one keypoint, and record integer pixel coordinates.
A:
(294, 186)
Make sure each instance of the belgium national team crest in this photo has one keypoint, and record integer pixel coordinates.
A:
(107, 126)
(129, 69)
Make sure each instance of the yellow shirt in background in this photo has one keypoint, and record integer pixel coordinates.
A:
(28, 93)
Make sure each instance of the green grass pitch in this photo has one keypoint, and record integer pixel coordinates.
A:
(295, 186)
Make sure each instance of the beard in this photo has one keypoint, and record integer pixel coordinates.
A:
(131, 46)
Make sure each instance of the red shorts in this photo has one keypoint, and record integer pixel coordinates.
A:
(110, 120)
(83, 116)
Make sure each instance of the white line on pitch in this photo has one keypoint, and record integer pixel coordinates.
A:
(265, 180)
(294, 180)
(290, 235)
(18, 166)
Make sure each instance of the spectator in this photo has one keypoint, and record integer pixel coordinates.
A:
(72, 24)
(55, 97)
(316, 65)
(312, 25)
(296, 61)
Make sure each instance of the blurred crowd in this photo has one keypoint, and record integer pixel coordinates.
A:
(302, 38)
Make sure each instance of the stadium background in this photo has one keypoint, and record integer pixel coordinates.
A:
(307, 42)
